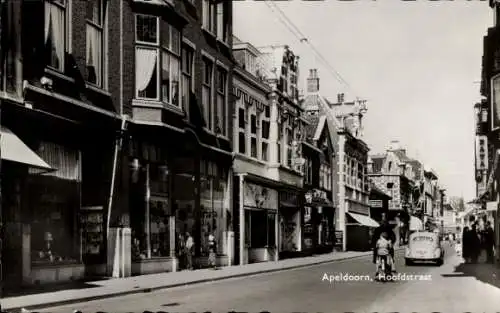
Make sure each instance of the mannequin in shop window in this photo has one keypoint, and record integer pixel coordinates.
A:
(47, 253)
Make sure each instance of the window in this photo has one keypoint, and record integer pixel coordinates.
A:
(309, 171)
(222, 22)
(265, 131)
(95, 42)
(150, 224)
(220, 114)
(352, 174)
(253, 135)
(241, 131)
(214, 204)
(209, 15)
(207, 92)
(55, 237)
(187, 76)
(262, 227)
(152, 81)
(289, 143)
(279, 143)
(55, 33)
(360, 176)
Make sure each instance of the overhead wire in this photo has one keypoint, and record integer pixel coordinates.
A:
(283, 18)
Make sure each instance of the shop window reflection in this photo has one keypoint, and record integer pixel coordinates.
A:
(214, 204)
(150, 211)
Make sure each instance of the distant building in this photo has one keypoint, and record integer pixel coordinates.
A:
(350, 180)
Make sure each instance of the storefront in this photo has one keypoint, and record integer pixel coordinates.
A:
(319, 226)
(260, 206)
(177, 194)
(290, 223)
(360, 226)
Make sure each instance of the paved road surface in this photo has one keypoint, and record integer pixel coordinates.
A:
(302, 290)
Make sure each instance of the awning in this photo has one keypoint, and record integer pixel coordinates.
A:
(364, 220)
(14, 150)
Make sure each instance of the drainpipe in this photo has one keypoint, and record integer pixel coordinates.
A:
(118, 146)
(241, 211)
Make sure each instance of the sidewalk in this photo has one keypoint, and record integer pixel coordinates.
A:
(147, 283)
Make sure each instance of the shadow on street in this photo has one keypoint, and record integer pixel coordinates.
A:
(482, 271)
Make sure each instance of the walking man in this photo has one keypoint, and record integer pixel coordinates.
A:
(489, 242)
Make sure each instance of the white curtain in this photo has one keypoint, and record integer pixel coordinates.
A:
(54, 26)
(165, 77)
(220, 21)
(145, 63)
(94, 51)
(206, 13)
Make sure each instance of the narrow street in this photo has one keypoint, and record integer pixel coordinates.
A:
(302, 290)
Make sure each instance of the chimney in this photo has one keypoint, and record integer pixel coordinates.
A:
(340, 98)
(313, 81)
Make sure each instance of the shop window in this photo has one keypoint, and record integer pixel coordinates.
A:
(54, 201)
(262, 228)
(184, 203)
(214, 202)
(150, 220)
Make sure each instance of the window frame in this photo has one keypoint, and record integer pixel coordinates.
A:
(160, 49)
(206, 59)
(188, 46)
(225, 123)
(252, 111)
(264, 141)
(220, 20)
(212, 16)
(66, 45)
(104, 60)
(288, 144)
(241, 130)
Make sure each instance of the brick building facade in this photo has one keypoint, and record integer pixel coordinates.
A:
(124, 100)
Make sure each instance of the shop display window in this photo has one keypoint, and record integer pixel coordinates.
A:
(54, 203)
(150, 220)
(214, 204)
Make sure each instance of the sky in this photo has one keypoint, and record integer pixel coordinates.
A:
(417, 64)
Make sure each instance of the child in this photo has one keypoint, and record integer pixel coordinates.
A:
(383, 249)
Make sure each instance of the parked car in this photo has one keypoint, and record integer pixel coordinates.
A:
(424, 247)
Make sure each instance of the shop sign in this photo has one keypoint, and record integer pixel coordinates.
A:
(339, 238)
(257, 196)
(316, 194)
(354, 207)
(376, 203)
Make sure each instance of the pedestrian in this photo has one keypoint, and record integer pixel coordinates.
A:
(475, 243)
(181, 256)
(387, 228)
(466, 244)
(212, 257)
(489, 242)
(189, 251)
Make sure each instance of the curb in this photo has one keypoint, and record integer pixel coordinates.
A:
(17, 309)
